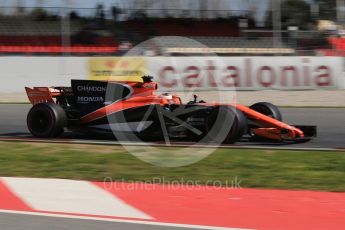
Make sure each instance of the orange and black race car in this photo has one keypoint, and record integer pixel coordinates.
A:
(128, 109)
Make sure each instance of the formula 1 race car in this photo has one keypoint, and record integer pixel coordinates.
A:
(128, 109)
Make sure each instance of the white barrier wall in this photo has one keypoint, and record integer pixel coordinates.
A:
(18, 72)
(176, 73)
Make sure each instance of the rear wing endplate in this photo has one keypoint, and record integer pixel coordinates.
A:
(38, 95)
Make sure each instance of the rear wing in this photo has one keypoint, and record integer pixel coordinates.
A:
(38, 95)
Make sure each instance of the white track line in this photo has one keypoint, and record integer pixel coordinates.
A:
(69, 196)
(118, 220)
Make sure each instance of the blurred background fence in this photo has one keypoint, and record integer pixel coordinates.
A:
(303, 30)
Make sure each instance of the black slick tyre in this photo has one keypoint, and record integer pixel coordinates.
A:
(46, 120)
(267, 109)
(225, 124)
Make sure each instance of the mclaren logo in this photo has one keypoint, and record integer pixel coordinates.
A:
(84, 88)
(90, 99)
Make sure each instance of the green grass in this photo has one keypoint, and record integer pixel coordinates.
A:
(279, 169)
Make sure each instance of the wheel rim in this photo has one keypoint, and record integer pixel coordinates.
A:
(40, 121)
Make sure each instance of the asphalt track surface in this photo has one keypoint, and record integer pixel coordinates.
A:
(31, 222)
(330, 123)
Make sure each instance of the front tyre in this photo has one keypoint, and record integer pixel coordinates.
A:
(46, 120)
(267, 109)
(225, 124)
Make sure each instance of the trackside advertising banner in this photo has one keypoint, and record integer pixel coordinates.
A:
(248, 73)
(119, 68)
(177, 73)
(226, 73)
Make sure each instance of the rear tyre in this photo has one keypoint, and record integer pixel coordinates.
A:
(46, 120)
(225, 124)
(267, 109)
